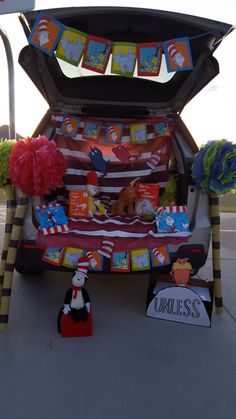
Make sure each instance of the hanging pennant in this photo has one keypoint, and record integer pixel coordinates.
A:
(99, 259)
(72, 256)
(53, 255)
(149, 59)
(178, 54)
(70, 126)
(140, 259)
(91, 130)
(123, 58)
(71, 46)
(163, 128)
(96, 54)
(138, 133)
(113, 132)
(160, 256)
(46, 33)
(120, 262)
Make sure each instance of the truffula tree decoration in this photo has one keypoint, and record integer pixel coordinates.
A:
(6, 185)
(214, 171)
(36, 168)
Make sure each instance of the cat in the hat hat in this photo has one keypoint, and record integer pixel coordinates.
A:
(95, 205)
(43, 34)
(77, 301)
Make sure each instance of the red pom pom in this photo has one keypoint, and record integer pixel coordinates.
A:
(36, 166)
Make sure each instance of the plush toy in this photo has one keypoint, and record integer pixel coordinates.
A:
(75, 318)
(126, 202)
(95, 205)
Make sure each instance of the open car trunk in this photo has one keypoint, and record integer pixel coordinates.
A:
(70, 89)
(110, 99)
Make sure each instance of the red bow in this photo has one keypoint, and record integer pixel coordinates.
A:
(75, 291)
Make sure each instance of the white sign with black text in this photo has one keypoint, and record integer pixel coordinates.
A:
(179, 304)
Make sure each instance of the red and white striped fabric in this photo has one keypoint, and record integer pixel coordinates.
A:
(107, 247)
(155, 159)
(174, 208)
(147, 161)
(56, 229)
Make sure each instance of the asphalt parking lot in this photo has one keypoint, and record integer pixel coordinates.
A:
(132, 366)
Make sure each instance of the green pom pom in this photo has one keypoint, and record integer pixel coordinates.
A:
(170, 192)
(5, 151)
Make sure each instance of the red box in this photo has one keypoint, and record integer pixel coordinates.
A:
(69, 328)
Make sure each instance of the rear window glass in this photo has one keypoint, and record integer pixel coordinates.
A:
(72, 72)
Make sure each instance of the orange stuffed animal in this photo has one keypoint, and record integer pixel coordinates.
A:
(126, 202)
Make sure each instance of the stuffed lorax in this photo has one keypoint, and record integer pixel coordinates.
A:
(95, 205)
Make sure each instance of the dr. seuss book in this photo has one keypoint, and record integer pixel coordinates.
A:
(78, 203)
(53, 255)
(140, 260)
(147, 200)
(172, 219)
(72, 256)
(52, 219)
(120, 261)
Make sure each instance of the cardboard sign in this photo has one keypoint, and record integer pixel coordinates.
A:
(179, 304)
(13, 6)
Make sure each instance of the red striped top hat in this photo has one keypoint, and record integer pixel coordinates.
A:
(112, 133)
(155, 252)
(43, 24)
(155, 159)
(172, 51)
(83, 264)
(91, 258)
(107, 247)
(92, 178)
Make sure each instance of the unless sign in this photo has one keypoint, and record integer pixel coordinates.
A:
(13, 6)
(178, 304)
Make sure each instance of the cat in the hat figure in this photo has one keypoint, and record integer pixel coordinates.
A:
(75, 318)
(95, 204)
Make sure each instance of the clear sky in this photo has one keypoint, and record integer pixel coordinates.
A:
(209, 116)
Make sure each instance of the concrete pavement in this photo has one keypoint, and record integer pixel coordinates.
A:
(133, 367)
